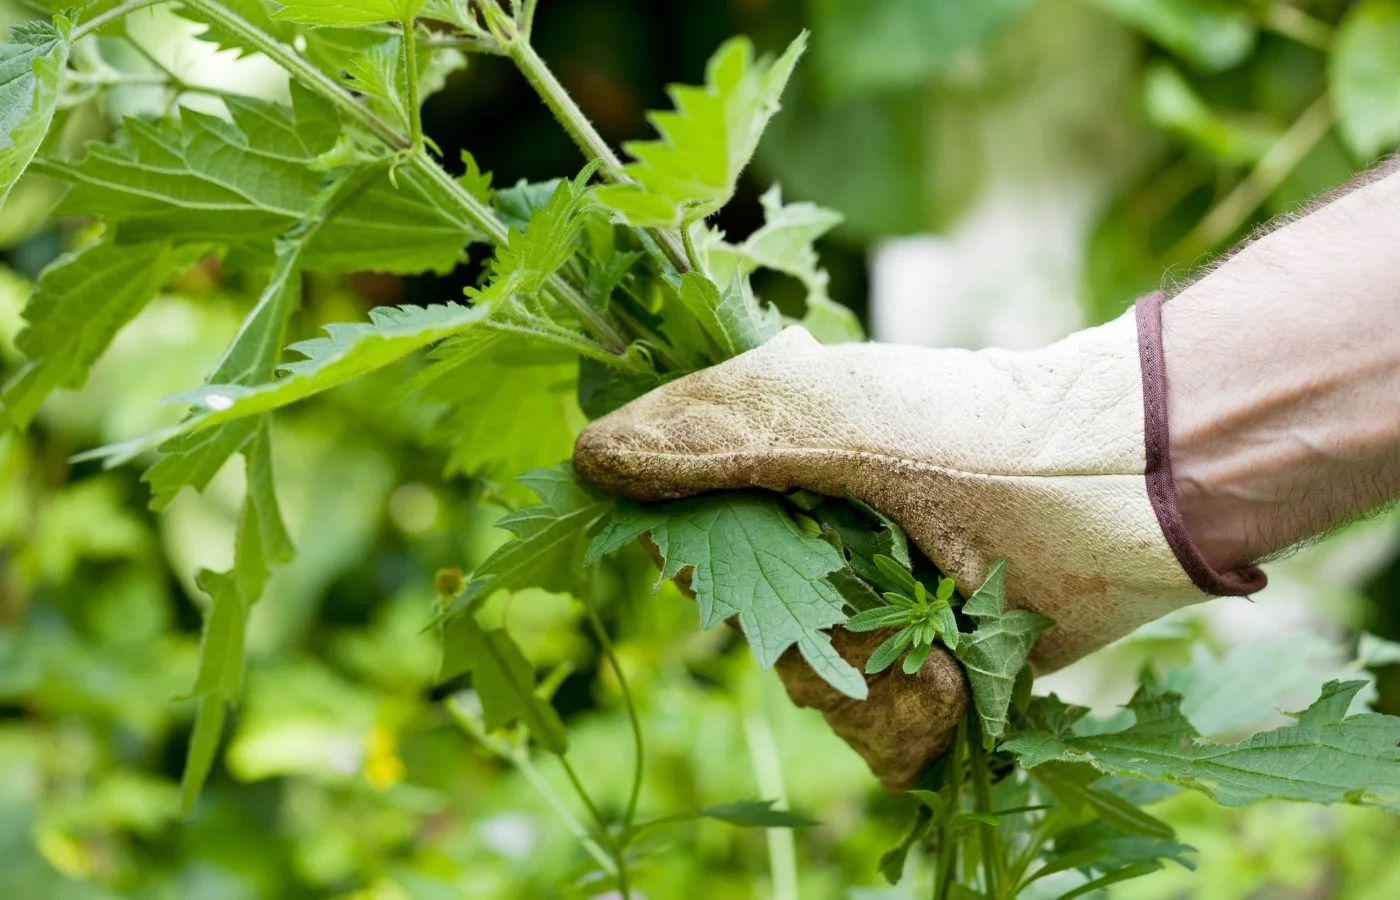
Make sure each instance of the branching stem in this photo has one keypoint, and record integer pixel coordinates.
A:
(473, 210)
(515, 40)
(83, 29)
(638, 750)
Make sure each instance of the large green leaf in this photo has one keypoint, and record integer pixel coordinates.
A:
(503, 679)
(510, 410)
(261, 542)
(995, 653)
(734, 320)
(1325, 757)
(550, 538)
(748, 559)
(1365, 77)
(31, 68)
(706, 142)
(347, 12)
(83, 299)
(784, 244)
(244, 182)
(861, 47)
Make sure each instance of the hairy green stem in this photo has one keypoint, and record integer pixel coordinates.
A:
(476, 212)
(410, 65)
(638, 750)
(304, 72)
(83, 29)
(688, 242)
(580, 129)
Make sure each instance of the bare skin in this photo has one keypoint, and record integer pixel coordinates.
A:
(1283, 368)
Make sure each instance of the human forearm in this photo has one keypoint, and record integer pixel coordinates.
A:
(1283, 368)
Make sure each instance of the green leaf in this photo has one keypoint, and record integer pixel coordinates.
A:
(261, 542)
(1365, 77)
(550, 538)
(1375, 652)
(706, 142)
(863, 47)
(875, 619)
(996, 651)
(204, 744)
(1073, 786)
(1100, 847)
(257, 13)
(735, 321)
(1325, 757)
(31, 71)
(510, 410)
(244, 182)
(503, 679)
(889, 651)
(755, 814)
(83, 299)
(1211, 34)
(347, 12)
(748, 559)
(914, 659)
(379, 75)
(194, 458)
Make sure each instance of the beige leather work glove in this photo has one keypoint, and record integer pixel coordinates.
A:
(1056, 460)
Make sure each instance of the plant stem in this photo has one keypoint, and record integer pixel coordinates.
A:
(982, 789)
(410, 64)
(581, 130)
(618, 847)
(947, 846)
(520, 758)
(83, 29)
(477, 213)
(688, 242)
(768, 772)
(1283, 157)
(638, 754)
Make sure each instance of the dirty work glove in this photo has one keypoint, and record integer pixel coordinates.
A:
(1056, 460)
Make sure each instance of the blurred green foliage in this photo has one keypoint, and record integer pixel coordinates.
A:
(343, 774)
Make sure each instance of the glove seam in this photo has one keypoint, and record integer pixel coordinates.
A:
(1161, 485)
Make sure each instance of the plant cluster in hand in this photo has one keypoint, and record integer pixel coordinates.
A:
(610, 282)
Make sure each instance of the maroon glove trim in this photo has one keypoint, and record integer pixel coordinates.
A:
(1161, 487)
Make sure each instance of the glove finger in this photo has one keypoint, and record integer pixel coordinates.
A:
(713, 429)
(905, 723)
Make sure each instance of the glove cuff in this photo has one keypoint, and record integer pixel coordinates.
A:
(1161, 486)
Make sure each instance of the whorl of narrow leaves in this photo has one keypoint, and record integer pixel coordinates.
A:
(748, 559)
(31, 70)
(1325, 757)
(706, 142)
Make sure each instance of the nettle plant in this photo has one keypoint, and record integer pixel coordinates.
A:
(611, 282)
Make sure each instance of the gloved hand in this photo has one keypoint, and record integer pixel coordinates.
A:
(1056, 460)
